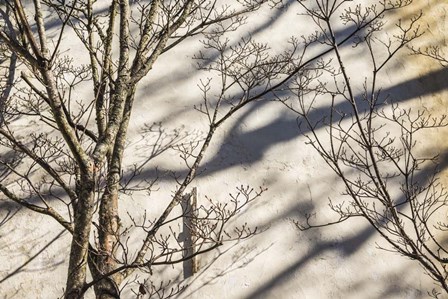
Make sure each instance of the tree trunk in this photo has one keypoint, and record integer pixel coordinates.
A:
(108, 237)
(109, 220)
(80, 242)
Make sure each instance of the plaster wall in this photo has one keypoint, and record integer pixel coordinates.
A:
(260, 146)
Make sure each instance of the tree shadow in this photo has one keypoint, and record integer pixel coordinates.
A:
(247, 147)
(24, 265)
(210, 276)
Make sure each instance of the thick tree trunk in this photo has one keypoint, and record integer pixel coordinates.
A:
(109, 220)
(107, 289)
(80, 242)
(108, 237)
(109, 226)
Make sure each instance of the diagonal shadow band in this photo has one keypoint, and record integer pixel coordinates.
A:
(22, 266)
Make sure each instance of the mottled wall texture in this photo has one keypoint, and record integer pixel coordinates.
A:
(260, 146)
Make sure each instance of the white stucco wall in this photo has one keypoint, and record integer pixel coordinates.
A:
(259, 146)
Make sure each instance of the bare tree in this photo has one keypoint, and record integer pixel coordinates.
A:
(72, 168)
(80, 161)
(371, 143)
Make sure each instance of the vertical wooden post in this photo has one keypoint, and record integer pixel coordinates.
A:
(193, 230)
(189, 206)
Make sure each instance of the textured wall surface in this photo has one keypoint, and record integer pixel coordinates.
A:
(259, 146)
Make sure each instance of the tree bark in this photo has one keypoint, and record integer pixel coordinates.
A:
(109, 220)
(84, 208)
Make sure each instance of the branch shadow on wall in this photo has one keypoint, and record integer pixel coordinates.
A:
(25, 265)
(346, 247)
(257, 142)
